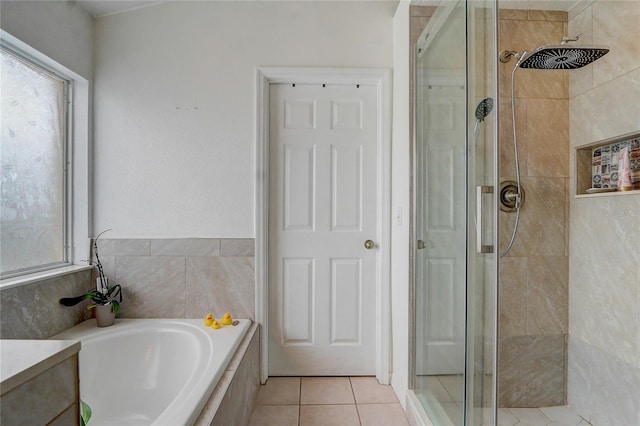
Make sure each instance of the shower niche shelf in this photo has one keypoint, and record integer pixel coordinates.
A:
(597, 166)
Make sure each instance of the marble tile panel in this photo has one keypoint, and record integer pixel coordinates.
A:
(219, 285)
(367, 390)
(547, 127)
(530, 416)
(185, 247)
(47, 396)
(562, 414)
(603, 289)
(382, 415)
(581, 79)
(531, 371)
(568, 195)
(608, 110)
(579, 392)
(124, 247)
(506, 417)
(326, 390)
(616, 387)
(542, 222)
(32, 311)
(152, 286)
(513, 296)
(320, 415)
(426, 11)
(548, 15)
(417, 25)
(237, 358)
(547, 295)
(431, 386)
(507, 154)
(615, 23)
(237, 247)
(454, 384)
(215, 400)
(517, 14)
(280, 391)
(518, 36)
(269, 415)
(238, 401)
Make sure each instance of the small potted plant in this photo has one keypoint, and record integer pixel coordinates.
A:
(106, 299)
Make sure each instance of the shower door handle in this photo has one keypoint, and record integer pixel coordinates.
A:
(481, 189)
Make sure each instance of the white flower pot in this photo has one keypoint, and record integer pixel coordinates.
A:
(104, 316)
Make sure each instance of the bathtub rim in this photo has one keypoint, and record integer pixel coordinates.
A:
(175, 412)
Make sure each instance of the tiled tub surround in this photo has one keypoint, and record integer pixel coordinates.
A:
(32, 311)
(182, 278)
(604, 287)
(533, 305)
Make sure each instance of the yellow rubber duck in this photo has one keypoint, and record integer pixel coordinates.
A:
(215, 325)
(226, 319)
(208, 320)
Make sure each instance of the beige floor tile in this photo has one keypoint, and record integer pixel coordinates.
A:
(367, 390)
(532, 416)
(325, 415)
(382, 415)
(279, 391)
(454, 385)
(270, 415)
(326, 390)
(562, 414)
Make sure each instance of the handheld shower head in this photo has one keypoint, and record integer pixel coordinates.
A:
(484, 108)
(562, 56)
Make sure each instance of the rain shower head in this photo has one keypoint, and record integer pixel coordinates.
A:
(484, 108)
(563, 56)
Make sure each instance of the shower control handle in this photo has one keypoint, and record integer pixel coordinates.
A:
(480, 190)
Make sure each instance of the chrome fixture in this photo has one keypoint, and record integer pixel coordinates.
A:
(562, 56)
(509, 197)
(482, 110)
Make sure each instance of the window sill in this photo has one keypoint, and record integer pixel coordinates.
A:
(42, 275)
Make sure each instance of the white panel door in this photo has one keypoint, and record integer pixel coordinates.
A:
(441, 226)
(322, 279)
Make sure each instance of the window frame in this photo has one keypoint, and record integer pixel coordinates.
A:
(76, 149)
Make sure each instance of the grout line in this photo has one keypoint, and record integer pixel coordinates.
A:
(355, 402)
(299, 400)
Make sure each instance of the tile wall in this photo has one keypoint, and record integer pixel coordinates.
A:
(32, 311)
(604, 287)
(533, 305)
(182, 278)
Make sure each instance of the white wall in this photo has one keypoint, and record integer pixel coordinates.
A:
(58, 29)
(400, 200)
(166, 169)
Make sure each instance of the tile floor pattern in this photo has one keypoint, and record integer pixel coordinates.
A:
(335, 401)
(544, 416)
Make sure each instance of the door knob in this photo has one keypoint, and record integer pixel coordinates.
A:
(421, 245)
(369, 244)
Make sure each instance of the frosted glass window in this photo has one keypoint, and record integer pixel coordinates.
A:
(32, 161)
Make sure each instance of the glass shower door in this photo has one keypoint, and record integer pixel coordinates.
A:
(453, 278)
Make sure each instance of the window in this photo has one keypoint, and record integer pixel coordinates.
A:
(34, 192)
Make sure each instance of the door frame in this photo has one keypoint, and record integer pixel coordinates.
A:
(381, 78)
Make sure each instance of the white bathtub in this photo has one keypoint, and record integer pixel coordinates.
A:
(151, 371)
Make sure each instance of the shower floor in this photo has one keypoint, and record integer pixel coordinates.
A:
(445, 392)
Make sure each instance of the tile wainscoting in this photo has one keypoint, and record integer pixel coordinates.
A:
(182, 278)
(32, 311)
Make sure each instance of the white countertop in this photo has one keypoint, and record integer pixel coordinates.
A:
(22, 360)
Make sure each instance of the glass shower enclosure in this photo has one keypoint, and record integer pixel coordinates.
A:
(455, 221)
